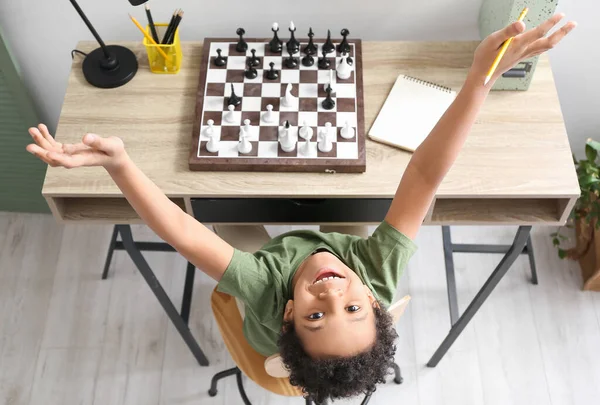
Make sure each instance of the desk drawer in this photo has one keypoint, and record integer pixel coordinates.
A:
(290, 211)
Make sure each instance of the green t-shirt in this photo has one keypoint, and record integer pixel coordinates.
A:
(263, 280)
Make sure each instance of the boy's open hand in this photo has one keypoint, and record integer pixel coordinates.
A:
(525, 44)
(92, 151)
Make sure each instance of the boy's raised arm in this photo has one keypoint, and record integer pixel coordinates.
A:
(434, 157)
(193, 240)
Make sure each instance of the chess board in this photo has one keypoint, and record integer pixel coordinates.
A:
(347, 155)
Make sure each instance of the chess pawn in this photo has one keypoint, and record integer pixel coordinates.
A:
(230, 115)
(247, 127)
(269, 117)
(305, 132)
(209, 131)
(305, 148)
(347, 132)
(213, 144)
(324, 141)
(244, 146)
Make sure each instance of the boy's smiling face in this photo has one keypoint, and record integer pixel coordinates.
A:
(332, 309)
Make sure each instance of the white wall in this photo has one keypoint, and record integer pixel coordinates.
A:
(576, 67)
(43, 32)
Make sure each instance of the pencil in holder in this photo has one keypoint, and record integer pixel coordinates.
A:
(156, 60)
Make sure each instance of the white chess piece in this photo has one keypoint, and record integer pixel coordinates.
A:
(230, 116)
(213, 143)
(330, 83)
(286, 139)
(344, 70)
(244, 146)
(288, 100)
(305, 132)
(347, 132)
(306, 151)
(247, 126)
(325, 144)
(210, 130)
(269, 116)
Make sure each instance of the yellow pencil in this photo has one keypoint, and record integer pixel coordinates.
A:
(148, 37)
(503, 50)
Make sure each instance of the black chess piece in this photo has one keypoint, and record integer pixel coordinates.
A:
(251, 72)
(324, 62)
(241, 46)
(219, 60)
(254, 60)
(272, 74)
(233, 98)
(328, 103)
(311, 48)
(292, 45)
(308, 60)
(349, 60)
(344, 46)
(328, 46)
(290, 61)
(275, 45)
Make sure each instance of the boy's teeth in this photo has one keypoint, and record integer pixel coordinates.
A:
(326, 278)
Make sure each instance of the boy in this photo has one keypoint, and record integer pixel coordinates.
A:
(317, 298)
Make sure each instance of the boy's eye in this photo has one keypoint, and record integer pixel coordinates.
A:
(315, 316)
(353, 308)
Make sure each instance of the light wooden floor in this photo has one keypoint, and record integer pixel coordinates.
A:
(66, 337)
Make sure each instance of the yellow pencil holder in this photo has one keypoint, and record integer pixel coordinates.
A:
(156, 59)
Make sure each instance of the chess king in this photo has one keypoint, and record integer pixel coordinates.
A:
(317, 298)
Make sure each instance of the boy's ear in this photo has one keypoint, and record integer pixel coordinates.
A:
(288, 313)
(372, 299)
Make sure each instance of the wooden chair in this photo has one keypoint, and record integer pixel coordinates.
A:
(269, 373)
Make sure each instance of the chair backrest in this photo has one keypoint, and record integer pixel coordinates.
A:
(245, 357)
(275, 367)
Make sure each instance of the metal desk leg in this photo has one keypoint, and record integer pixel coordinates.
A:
(188, 289)
(159, 292)
(513, 252)
(111, 250)
(534, 279)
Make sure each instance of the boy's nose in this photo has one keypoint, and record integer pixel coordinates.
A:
(331, 292)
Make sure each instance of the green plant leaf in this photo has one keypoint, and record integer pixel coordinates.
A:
(554, 234)
(593, 144)
(561, 253)
(591, 153)
(588, 179)
(555, 242)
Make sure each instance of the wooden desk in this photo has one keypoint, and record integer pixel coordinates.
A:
(515, 168)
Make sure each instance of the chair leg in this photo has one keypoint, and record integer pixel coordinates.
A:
(367, 399)
(397, 374)
(111, 250)
(213, 383)
(534, 278)
(238, 376)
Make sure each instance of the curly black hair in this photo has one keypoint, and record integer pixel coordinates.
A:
(333, 378)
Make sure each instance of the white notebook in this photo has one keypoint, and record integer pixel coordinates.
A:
(410, 112)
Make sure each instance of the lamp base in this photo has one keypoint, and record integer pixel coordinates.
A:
(99, 73)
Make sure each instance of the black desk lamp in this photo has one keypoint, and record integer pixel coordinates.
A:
(108, 66)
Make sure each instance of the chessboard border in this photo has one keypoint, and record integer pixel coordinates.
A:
(275, 164)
